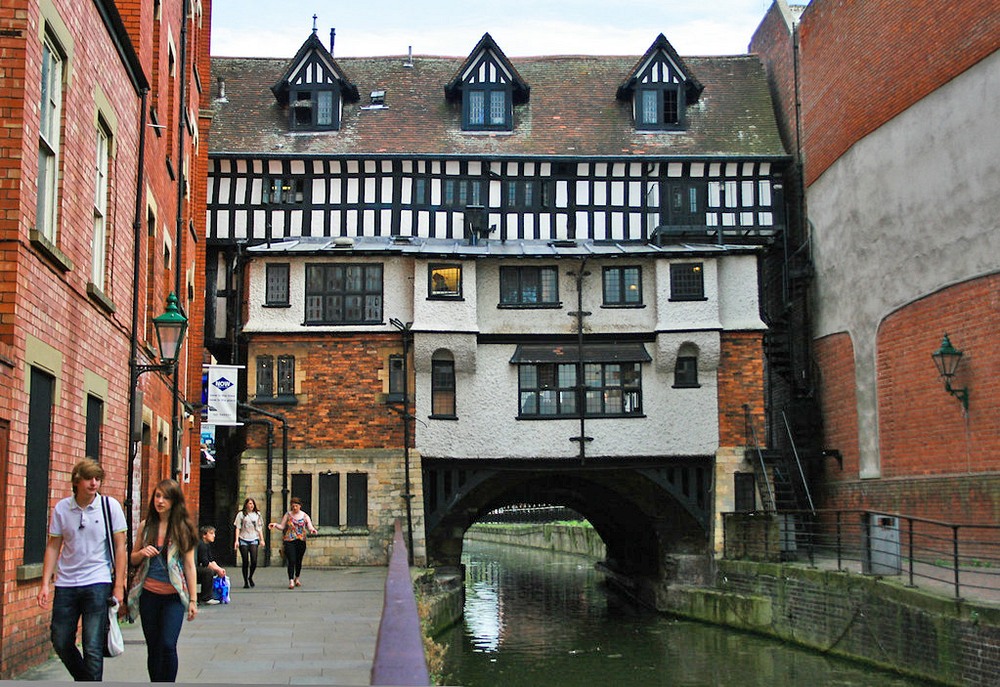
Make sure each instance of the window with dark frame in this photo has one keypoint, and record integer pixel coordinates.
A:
(687, 282)
(357, 499)
(397, 380)
(329, 499)
(443, 387)
(460, 193)
(745, 492)
(38, 456)
(276, 284)
(623, 285)
(527, 194)
(686, 372)
(487, 107)
(313, 109)
(659, 106)
(686, 204)
(302, 487)
(343, 294)
(445, 281)
(529, 286)
(95, 422)
(265, 376)
(286, 375)
(287, 191)
(550, 390)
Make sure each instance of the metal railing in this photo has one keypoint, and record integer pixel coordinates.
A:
(948, 557)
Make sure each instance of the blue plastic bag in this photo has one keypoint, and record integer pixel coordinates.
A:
(220, 589)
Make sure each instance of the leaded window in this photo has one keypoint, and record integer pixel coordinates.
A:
(529, 286)
(343, 294)
(487, 108)
(445, 281)
(443, 386)
(622, 286)
(687, 282)
(276, 284)
(660, 106)
(686, 372)
(612, 389)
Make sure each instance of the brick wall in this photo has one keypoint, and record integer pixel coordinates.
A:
(838, 403)
(741, 382)
(865, 62)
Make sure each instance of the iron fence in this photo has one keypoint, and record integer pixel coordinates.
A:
(959, 558)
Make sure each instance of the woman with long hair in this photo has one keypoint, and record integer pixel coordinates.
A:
(249, 531)
(293, 526)
(166, 582)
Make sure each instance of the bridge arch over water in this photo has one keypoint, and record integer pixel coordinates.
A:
(649, 512)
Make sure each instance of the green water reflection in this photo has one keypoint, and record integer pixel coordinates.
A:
(537, 618)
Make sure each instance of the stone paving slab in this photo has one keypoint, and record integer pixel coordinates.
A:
(323, 632)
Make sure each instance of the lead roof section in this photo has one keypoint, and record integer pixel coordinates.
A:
(573, 111)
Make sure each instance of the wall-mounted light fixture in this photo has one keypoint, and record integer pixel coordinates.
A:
(947, 359)
(170, 329)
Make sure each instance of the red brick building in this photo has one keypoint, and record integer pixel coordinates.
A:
(895, 132)
(88, 184)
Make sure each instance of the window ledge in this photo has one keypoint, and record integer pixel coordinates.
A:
(686, 386)
(276, 305)
(690, 300)
(342, 531)
(101, 298)
(281, 400)
(443, 297)
(630, 416)
(29, 571)
(530, 306)
(624, 306)
(50, 251)
(442, 417)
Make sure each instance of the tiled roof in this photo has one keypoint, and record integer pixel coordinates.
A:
(572, 111)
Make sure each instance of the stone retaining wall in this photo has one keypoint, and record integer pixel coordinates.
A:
(581, 541)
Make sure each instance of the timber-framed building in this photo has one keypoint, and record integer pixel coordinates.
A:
(458, 283)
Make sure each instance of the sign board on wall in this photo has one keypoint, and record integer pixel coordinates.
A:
(223, 392)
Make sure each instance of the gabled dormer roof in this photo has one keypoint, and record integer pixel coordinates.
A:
(487, 50)
(692, 87)
(314, 64)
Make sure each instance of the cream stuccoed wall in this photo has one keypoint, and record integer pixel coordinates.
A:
(908, 210)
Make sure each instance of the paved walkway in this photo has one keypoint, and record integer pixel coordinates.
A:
(321, 633)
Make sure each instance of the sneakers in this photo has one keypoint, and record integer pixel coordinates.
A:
(212, 602)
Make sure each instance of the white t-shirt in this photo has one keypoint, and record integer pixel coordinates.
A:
(84, 557)
(248, 526)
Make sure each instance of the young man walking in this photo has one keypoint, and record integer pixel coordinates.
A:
(77, 553)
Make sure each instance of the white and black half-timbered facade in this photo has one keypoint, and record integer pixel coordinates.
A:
(443, 272)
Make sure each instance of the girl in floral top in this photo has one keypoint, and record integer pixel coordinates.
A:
(294, 525)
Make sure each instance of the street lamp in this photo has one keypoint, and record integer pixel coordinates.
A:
(947, 359)
(170, 329)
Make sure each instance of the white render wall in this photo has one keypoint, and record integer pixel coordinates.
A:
(908, 210)
(676, 421)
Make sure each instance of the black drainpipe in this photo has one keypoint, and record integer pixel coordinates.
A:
(580, 313)
(132, 445)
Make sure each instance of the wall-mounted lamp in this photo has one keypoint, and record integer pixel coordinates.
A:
(947, 359)
(170, 329)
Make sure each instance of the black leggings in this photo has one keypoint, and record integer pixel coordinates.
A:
(294, 552)
(248, 554)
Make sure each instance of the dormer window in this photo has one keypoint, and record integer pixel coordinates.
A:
(313, 109)
(660, 88)
(487, 108)
(314, 89)
(488, 87)
(659, 107)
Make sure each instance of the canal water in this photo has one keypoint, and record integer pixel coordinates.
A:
(545, 619)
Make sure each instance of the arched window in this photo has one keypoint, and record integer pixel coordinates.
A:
(686, 368)
(443, 385)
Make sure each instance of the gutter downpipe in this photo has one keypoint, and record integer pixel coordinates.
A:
(176, 426)
(132, 447)
(284, 455)
(582, 439)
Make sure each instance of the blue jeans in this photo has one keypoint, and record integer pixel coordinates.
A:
(68, 606)
(162, 616)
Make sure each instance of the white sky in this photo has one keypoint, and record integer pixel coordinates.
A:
(276, 28)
